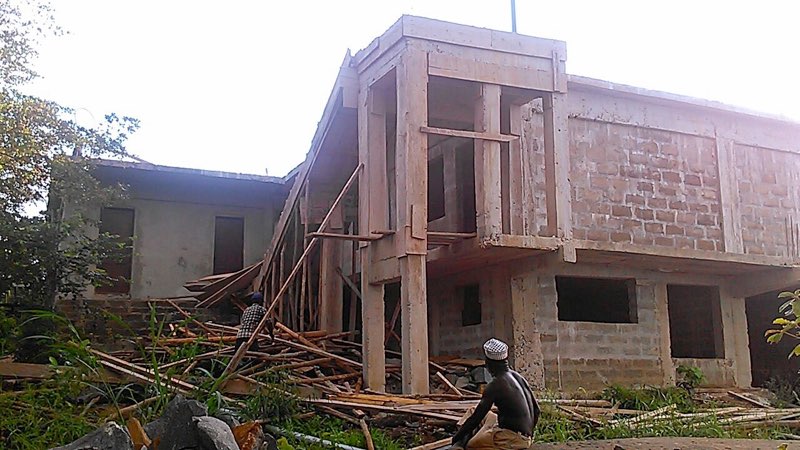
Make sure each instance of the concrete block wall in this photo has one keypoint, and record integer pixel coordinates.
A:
(768, 184)
(445, 303)
(589, 354)
(644, 186)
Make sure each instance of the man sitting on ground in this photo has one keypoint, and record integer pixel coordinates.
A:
(517, 411)
(251, 317)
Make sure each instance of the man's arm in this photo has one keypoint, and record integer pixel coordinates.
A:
(487, 400)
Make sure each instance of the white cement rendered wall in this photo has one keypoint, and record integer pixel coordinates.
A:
(174, 243)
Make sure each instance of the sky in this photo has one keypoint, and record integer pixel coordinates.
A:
(239, 86)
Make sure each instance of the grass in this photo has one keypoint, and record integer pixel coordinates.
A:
(555, 428)
(649, 398)
(338, 431)
(46, 414)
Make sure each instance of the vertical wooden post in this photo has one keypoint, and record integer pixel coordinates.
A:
(487, 164)
(330, 283)
(516, 178)
(728, 197)
(556, 157)
(412, 216)
(372, 304)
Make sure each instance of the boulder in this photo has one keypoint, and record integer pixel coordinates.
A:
(175, 430)
(214, 434)
(480, 375)
(110, 436)
(228, 417)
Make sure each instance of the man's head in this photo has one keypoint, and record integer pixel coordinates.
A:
(496, 352)
(255, 298)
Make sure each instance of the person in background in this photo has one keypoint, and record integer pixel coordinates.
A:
(251, 317)
(517, 411)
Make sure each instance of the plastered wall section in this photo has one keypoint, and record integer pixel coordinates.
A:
(174, 243)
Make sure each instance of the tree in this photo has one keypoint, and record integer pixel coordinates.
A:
(45, 153)
(789, 324)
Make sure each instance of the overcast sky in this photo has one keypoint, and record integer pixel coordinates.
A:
(240, 85)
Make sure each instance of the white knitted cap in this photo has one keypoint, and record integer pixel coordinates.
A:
(495, 349)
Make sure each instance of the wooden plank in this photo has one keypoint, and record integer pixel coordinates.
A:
(346, 237)
(387, 409)
(729, 196)
(448, 384)
(240, 282)
(237, 357)
(486, 136)
(516, 174)
(557, 166)
(487, 163)
(330, 284)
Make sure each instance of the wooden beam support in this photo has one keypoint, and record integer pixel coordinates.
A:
(470, 134)
(487, 163)
(342, 236)
(729, 196)
(330, 284)
(556, 143)
(516, 175)
(412, 215)
(237, 357)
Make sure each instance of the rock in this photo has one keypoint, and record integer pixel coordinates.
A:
(269, 443)
(480, 375)
(462, 382)
(175, 430)
(214, 434)
(227, 416)
(108, 437)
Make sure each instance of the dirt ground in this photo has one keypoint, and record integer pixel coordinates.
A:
(671, 444)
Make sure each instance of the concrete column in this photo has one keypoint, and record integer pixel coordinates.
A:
(662, 328)
(735, 337)
(412, 216)
(487, 164)
(372, 214)
(527, 354)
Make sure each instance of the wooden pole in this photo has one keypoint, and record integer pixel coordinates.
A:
(237, 357)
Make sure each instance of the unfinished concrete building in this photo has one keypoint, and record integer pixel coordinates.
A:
(608, 233)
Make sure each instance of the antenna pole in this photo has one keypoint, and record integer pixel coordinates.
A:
(513, 16)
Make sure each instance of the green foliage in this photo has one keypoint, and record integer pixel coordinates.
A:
(788, 324)
(277, 401)
(337, 431)
(785, 390)
(43, 151)
(9, 333)
(689, 377)
(556, 428)
(648, 398)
